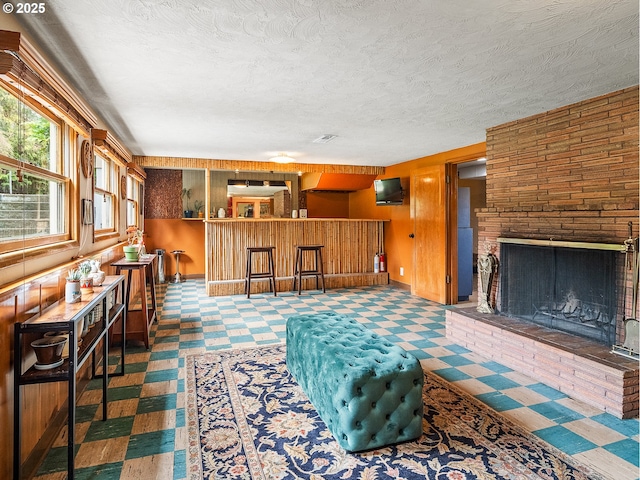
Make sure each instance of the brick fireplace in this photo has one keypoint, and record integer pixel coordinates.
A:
(567, 175)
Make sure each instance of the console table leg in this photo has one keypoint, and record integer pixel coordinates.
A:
(71, 422)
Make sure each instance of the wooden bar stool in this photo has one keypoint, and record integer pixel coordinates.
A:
(318, 270)
(270, 274)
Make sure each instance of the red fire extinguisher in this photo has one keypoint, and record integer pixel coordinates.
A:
(383, 262)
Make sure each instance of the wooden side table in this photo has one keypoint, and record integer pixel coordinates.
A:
(138, 321)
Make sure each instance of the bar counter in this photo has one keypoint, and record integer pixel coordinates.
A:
(349, 248)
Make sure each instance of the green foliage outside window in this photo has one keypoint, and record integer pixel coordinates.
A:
(25, 135)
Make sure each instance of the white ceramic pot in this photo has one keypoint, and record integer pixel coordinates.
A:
(72, 292)
(98, 278)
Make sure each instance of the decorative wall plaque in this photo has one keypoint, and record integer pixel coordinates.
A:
(123, 187)
(86, 159)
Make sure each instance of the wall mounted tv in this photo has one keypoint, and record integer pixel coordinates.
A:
(388, 191)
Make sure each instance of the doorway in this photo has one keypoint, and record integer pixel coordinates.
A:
(438, 274)
(434, 221)
(471, 196)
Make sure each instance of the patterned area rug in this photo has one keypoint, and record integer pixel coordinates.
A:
(248, 419)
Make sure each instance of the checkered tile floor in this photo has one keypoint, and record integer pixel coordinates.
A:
(145, 436)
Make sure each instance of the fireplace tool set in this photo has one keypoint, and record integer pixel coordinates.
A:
(631, 345)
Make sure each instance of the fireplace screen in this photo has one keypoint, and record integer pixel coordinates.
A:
(568, 289)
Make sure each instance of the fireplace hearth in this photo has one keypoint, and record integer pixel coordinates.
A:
(573, 289)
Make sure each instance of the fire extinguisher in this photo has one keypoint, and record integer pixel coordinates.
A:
(383, 264)
(376, 264)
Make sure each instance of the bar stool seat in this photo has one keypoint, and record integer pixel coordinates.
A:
(270, 273)
(177, 278)
(317, 271)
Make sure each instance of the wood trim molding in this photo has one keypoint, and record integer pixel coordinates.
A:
(22, 66)
(136, 171)
(250, 166)
(18, 74)
(110, 146)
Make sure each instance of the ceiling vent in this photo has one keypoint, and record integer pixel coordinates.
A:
(324, 138)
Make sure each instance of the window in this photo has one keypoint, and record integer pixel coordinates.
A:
(34, 187)
(104, 194)
(134, 187)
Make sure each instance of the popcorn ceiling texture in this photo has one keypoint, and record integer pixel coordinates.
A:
(395, 80)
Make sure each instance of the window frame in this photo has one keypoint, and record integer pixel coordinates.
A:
(110, 190)
(134, 195)
(61, 175)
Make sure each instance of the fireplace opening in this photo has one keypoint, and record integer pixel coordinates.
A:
(569, 289)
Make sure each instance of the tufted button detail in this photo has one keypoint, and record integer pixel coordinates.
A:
(374, 395)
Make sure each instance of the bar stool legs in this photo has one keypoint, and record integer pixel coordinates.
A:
(318, 270)
(177, 278)
(270, 274)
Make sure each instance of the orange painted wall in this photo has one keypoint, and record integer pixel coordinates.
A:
(328, 205)
(397, 244)
(177, 234)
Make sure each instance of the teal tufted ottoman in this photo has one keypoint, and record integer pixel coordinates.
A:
(367, 390)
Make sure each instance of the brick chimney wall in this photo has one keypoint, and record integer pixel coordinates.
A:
(569, 174)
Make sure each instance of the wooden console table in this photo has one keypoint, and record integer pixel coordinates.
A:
(138, 320)
(106, 303)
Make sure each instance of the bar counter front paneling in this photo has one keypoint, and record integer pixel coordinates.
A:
(349, 249)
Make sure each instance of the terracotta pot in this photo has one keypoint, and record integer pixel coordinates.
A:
(86, 285)
(49, 349)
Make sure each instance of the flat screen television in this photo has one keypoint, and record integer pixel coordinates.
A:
(388, 191)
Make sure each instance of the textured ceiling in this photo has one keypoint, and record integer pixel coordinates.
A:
(394, 80)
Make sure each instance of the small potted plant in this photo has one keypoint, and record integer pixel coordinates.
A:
(197, 205)
(186, 192)
(72, 292)
(86, 280)
(133, 250)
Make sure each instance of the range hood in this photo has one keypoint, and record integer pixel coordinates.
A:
(339, 182)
